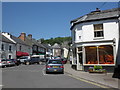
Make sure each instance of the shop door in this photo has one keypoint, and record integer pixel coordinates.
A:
(80, 58)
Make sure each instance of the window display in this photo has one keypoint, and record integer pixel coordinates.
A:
(99, 55)
(106, 55)
(91, 55)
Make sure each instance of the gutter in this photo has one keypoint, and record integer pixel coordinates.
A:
(75, 23)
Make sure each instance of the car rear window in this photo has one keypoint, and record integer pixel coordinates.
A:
(54, 62)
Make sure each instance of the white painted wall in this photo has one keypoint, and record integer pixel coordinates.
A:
(65, 52)
(6, 51)
(86, 31)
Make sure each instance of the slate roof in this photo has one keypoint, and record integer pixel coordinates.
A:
(28, 41)
(4, 39)
(17, 40)
(47, 46)
(56, 46)
(33, 42)
(100, 15)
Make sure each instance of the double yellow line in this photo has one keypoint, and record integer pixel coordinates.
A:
(90, 82)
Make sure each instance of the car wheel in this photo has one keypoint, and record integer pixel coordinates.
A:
(27, 63)
(62, 72)
(3, 66)
(40, 62)
(46, 72)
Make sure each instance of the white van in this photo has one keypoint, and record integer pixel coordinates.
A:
(23, 58)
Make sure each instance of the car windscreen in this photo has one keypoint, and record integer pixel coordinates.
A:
(54, 62)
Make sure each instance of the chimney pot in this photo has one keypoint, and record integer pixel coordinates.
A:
(22, 36)
(30, 36)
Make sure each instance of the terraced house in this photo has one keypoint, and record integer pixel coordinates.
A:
(95, 39)
(22, 48)
(7, 48)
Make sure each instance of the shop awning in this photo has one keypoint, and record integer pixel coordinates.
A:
(19, 53)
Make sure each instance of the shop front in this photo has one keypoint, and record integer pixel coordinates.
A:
(100, 54)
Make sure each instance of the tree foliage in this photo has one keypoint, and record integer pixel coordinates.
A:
(58, 40)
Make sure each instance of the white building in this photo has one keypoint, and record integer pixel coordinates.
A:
(7, 48)
(95, 39)
(22, 48)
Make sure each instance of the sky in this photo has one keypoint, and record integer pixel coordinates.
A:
(46, 19)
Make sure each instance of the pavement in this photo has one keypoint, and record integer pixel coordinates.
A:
(99, 78)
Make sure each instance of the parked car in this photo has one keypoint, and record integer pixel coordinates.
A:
(10, 63)
(17, 62)
(64, 60)
(23, 59)
(33, 60)
(3, 63)
(54, 65)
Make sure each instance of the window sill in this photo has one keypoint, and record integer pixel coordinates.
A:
(96, 38)
(99, 64)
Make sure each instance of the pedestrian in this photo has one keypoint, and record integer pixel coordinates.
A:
(70, 59)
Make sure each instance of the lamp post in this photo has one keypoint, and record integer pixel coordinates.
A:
(116, 73)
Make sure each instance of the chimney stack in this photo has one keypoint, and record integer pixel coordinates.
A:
(97, 9)
(22, 36)
(30, 36)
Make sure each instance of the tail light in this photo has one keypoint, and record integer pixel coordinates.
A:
(61, 66)
(48, 66)
(8, 61)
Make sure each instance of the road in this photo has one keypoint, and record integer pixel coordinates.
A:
(34, 76)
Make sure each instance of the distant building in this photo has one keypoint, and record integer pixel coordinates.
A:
(7, 48)
(22, 48)
(95, 39)
(36, 47)
(57, 50)
(48, 51)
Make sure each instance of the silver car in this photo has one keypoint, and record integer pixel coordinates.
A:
(10, 63)
(3, 63)
(54, 65)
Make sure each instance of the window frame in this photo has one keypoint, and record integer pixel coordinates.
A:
(10, 48)
(3, 47)
(98, 30)
(98, 58)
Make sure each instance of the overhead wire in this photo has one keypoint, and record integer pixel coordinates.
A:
(102, 5)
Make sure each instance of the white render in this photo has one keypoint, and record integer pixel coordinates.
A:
(65, 52)
(24, 48)
(5, 54)
(83, 35)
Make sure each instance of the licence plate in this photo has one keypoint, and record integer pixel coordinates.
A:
(55, 70)
(55, 66)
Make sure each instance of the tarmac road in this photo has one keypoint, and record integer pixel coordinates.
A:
(34, 76)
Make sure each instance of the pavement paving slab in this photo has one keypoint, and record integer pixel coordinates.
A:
(102, 78)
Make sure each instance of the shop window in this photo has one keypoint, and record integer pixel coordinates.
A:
(98, 30)
(91, 55)
(99, 55)
(106, 55)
